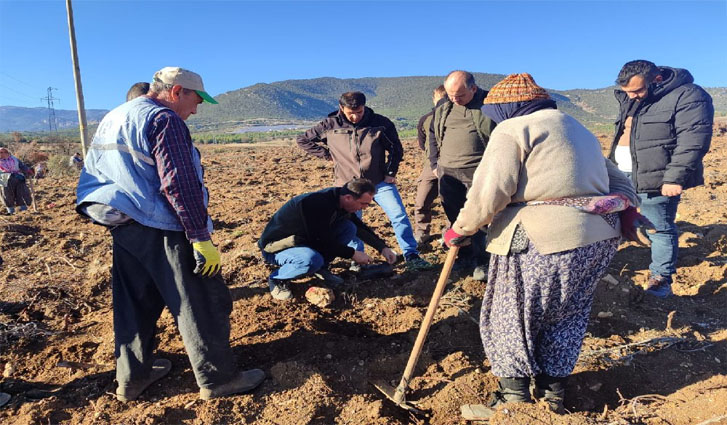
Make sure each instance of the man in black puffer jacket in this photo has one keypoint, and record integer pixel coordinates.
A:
(662, 134)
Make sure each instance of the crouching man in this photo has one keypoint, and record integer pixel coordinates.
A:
(144, 180)
(312, 229)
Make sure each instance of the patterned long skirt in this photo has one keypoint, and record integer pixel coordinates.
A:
(536, 308)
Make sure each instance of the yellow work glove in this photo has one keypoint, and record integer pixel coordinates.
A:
(207, 257)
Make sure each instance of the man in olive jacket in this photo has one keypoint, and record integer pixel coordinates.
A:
(662, 134)
(358, 140)
(459, 133)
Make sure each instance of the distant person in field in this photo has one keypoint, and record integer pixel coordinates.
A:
(76, 161)
(13, 175)
(364, 144)
(663, 131)
(41, 169)
(459, 133)
(312, 229)
(138, 89)
(427, 183)
(144, 180)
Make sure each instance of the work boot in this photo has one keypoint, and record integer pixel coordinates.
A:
(551, 390)
(245, 381)
(279, 289)
(659, 286)
(416, 263)
(512, 390)
(132, 390)
(325, 275)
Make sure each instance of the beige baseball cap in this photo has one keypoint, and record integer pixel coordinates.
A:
(189, 80)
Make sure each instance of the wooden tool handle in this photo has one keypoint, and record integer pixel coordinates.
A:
(426, 324)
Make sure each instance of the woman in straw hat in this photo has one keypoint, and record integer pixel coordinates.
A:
(551, 200)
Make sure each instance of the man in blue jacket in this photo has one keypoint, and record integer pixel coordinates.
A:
(662, 134)
(143, 179)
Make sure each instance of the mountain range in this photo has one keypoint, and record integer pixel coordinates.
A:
(402, 99)
(16, 118)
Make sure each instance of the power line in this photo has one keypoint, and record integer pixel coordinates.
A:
(51, 110)
(19, 81)
(15, 91)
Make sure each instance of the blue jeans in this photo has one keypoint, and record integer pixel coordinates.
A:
(389, 200)
(302, 260)
(662, 210)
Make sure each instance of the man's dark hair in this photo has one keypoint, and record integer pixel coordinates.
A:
(439, 91)
(357, 187)
(469, 79)
(138, 89)
(352, 99)
(647, 70)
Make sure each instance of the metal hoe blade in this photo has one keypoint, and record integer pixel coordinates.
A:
(391, 393)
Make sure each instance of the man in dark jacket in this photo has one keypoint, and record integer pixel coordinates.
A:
(662, 134)
(358, 140)
(312, 229)
(427, 183)
(459, 133)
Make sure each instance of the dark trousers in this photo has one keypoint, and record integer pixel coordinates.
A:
(427, 190)
(453, 186)
(16, 193)
(152, 269)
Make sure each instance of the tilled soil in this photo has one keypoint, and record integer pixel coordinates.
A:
(644, 361)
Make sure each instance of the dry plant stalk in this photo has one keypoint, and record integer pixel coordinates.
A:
(669, 320)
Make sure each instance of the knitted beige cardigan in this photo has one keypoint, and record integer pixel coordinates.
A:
(540, 156)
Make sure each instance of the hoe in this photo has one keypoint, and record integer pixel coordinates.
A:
(398, 394)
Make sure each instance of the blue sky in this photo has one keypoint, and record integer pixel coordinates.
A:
(234, 44)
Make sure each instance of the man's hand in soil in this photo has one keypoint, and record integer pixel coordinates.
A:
(207, 257)
(361, 257)
(389, 255)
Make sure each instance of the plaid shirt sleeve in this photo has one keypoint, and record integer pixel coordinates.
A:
(171, 146)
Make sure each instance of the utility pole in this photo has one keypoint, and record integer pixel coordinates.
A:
(77, 78)
(51, 110)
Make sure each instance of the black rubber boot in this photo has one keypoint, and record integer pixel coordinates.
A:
(552, 391)
(512, 390)
(515, 390)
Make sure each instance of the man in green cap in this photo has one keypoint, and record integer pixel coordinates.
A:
(143, 179)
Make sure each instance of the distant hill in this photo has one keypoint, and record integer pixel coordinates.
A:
(15, 118)
(403, 99)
